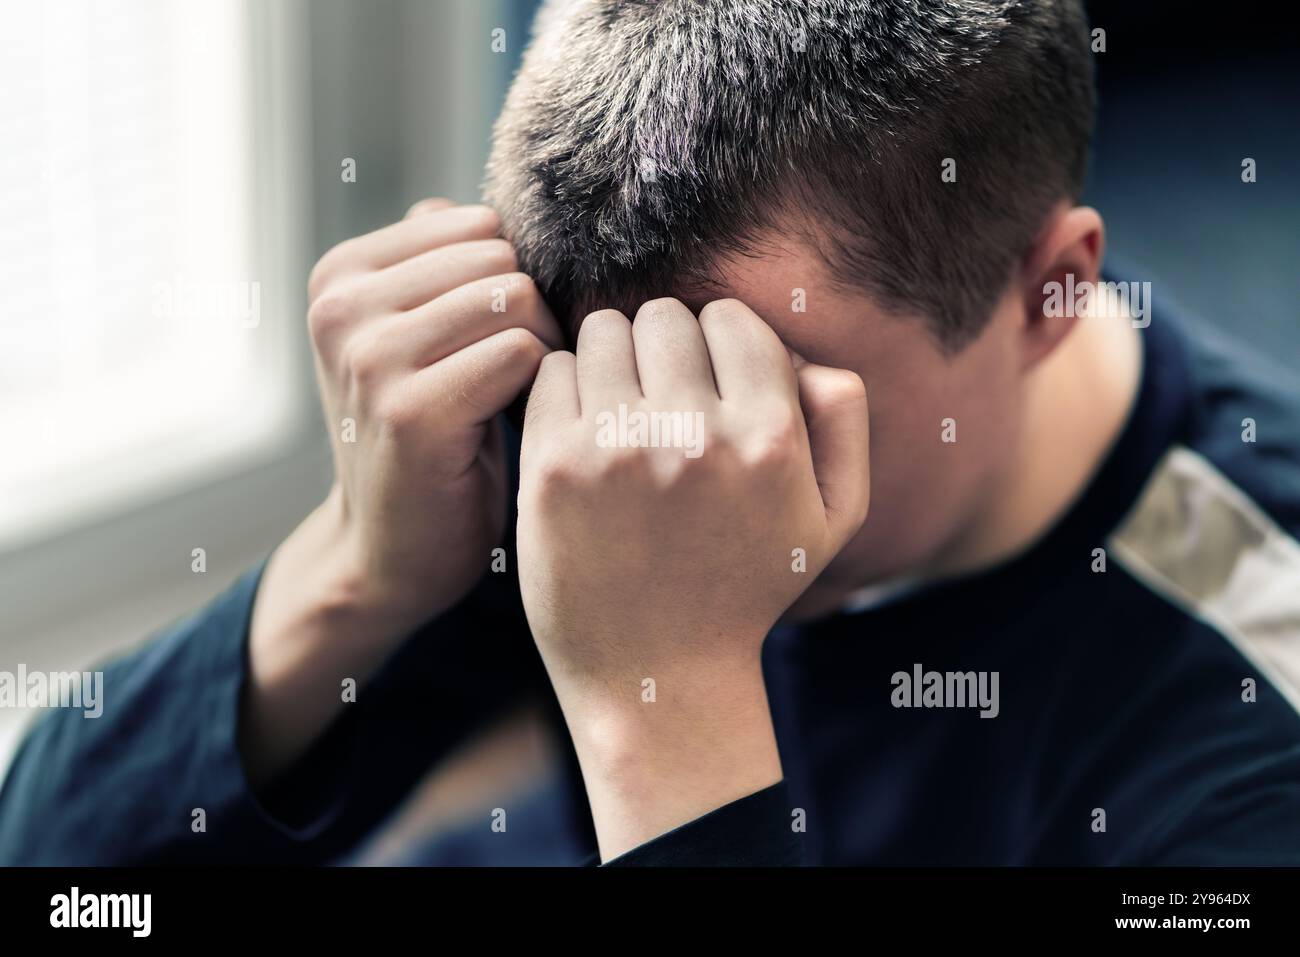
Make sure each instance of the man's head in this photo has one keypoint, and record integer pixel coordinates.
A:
(883, 181)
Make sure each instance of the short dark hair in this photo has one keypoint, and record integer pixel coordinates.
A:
(644, 139)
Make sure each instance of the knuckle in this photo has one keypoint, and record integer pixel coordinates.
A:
(554, 471)
(774, 443)
(316, 279)
(623, 464)
(551, 474)
(500, 255)
(847, 386)
(663, 307)
(556, 365)
(519, 346)
(482, 219)
(604, 318)
(552, 360)
(363, 361)
(723, 309)
(322, 272)
(428, 205)
(330, 310)
(396, 415)
(676, 472)
(862, 509)
(521, 292)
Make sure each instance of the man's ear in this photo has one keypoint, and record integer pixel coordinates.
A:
(1067, 252)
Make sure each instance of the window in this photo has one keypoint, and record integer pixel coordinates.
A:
(143, 346)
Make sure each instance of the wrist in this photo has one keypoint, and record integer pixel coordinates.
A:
(334, 593)
(657, 756)
(347, 589)
(315, 622)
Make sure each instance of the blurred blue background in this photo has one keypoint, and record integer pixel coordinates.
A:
(1185, 93)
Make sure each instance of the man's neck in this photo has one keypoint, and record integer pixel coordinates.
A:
(1077, 403)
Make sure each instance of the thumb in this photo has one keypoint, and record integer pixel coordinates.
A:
(834, 403)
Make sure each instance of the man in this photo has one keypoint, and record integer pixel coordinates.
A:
(1045, 612)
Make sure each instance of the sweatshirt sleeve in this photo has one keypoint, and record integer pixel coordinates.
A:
(754, 831)
(157, 777)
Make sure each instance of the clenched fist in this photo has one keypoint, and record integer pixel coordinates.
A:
(423, 332)
(670, 471)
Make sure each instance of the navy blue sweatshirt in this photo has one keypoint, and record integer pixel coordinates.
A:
(1124, 692)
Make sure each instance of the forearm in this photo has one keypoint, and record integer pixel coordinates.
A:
(316, 623)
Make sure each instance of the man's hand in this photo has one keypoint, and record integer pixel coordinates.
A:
(651, 575)
(422, 332)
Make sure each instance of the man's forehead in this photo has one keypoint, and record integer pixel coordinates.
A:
(792, 291)
(785, 282)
